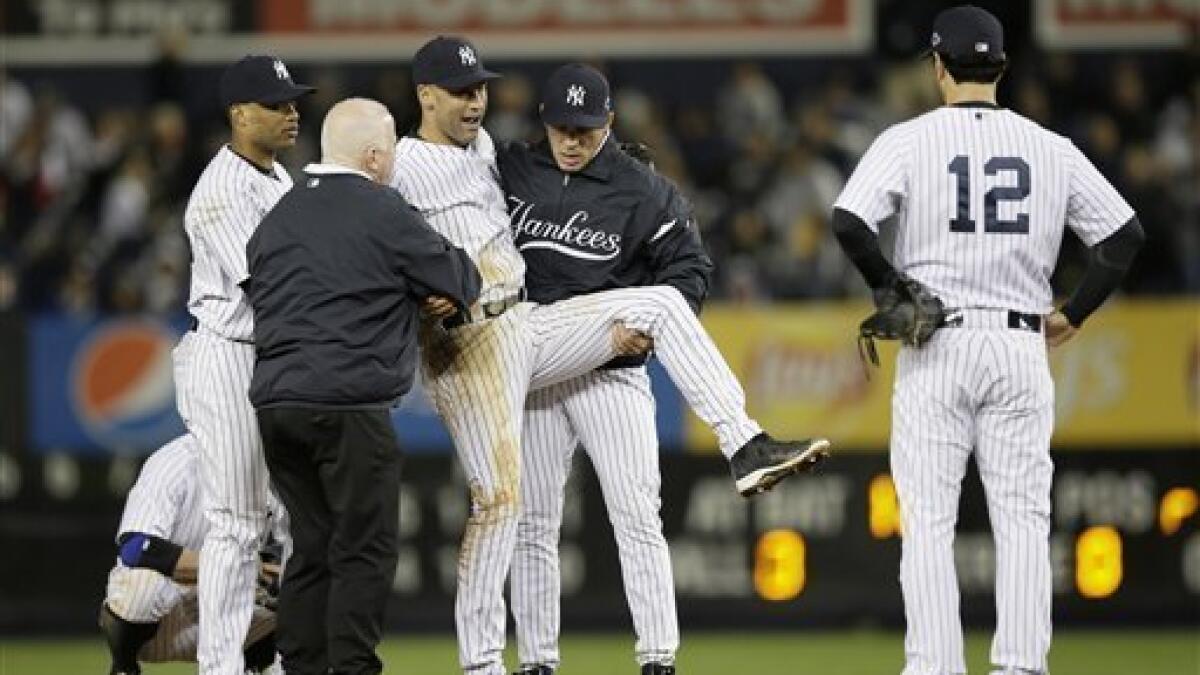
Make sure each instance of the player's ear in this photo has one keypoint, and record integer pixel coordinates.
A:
(425, 96)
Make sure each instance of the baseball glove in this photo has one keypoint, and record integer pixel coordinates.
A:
(905, 310)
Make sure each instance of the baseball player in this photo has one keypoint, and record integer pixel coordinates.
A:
(980, 197)
(610, 411)
(149, 611)
(213, 361)
(479, 366)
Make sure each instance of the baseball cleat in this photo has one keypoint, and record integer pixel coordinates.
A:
(763, 461)
(535, 670)
(657, 669)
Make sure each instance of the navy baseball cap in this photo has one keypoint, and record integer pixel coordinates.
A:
(576, 95)
(259, 79)
(967, 34)
(450, 63)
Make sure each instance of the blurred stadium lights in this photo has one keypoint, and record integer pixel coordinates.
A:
(1099, 567)
(1178, 504)
(779, 565)
(883, 508)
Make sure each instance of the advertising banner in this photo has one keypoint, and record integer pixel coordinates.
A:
(1130, 377)
(105, 385)
(85, 32)
(1108, 24)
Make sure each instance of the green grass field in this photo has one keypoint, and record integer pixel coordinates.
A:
(1134, 652)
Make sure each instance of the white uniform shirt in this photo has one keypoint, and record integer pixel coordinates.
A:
(457, 190)
(166, 499)
(226, 206)
(980, 196)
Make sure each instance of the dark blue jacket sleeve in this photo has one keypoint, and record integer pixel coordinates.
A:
(430, 263)
(676, 254)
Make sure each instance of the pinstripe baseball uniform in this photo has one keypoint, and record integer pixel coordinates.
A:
(980, 197)
(165, 502)
(213, 365)
(478, 374)
(649, 238)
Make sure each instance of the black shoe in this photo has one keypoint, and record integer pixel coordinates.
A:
(535, 670)
(657, 669)
(763, 461)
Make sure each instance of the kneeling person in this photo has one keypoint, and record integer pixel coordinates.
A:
(150, 611)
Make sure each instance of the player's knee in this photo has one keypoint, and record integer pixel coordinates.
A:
(132, 594)
(489, 505)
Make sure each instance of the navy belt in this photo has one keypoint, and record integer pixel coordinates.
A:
(1015, 320)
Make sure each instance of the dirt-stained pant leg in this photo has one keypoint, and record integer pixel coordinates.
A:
(477, 376)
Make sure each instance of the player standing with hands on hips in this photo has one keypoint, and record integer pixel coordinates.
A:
(213, 361)
(980, 196)
(480, 365)
(644, 234)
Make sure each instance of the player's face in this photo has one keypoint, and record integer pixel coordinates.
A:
(574, 147)
(452, 116)
(272, 127)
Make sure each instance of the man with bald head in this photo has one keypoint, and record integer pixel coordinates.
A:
(339, 271)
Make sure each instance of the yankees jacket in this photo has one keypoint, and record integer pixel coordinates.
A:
(614, 224)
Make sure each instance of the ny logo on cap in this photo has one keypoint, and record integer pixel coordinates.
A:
(575, 95)
(981, 46)
(281, 70)
(466, 55)
(935, 40)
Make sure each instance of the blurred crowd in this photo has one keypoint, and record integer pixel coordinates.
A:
(93, 203)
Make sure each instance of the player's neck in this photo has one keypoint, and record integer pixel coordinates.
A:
(257, 155)
(970, 92)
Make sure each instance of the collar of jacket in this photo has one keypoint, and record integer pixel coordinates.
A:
(600, 168)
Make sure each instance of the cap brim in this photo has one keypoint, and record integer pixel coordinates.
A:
(575, 120)
(289, 93)
(468, 79)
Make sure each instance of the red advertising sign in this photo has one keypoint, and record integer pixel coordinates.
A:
(1088, 24)
(536, 28)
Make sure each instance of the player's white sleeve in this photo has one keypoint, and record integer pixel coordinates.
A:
(1094, 207)
(160, 491)
(227, 220)
(879, 185)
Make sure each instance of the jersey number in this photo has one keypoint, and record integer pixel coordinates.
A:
(962, 221)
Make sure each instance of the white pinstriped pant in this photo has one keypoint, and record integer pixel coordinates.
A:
(145, 596)
(212, 376)
(478, 376)
(987, 388)
(611, 413)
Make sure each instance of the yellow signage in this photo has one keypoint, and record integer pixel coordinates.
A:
(1130, 377)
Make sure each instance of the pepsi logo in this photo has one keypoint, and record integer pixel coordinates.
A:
(122, 388)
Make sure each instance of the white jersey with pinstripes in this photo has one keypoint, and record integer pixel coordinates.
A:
(457, 190)
(225, 208)
(213, 366)
(980, 198)
(165, 502)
